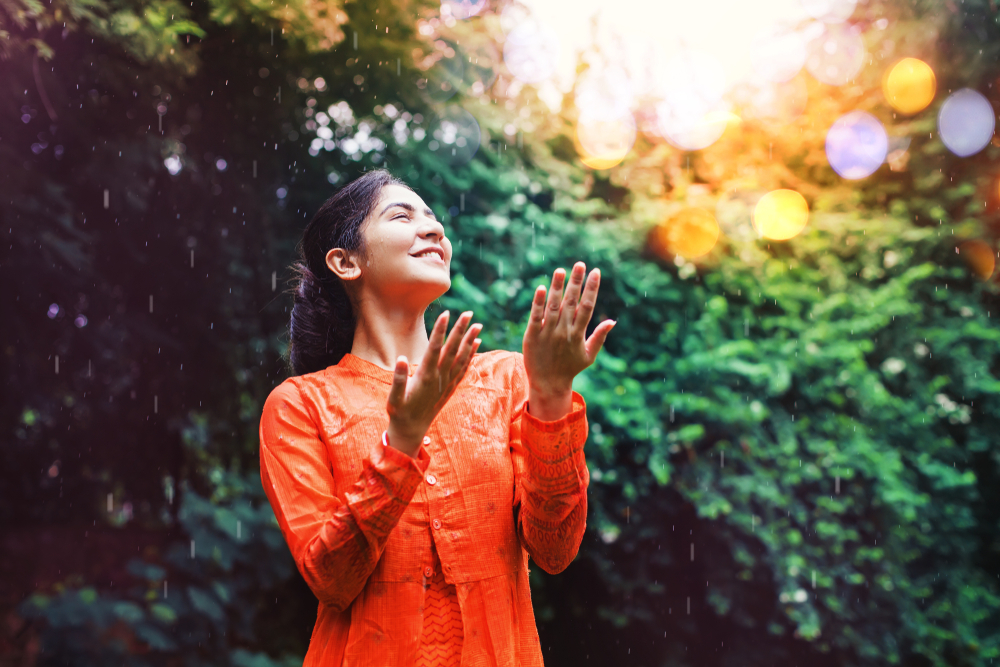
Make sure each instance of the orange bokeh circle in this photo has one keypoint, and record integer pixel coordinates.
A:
(691, 232)
(979, 256)
(909, 86)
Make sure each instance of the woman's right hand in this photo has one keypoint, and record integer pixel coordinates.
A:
(415, 402)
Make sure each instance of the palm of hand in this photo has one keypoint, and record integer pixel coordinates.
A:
(554, 347)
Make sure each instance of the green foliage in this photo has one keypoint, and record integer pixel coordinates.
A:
(200, 601)
(846, 379)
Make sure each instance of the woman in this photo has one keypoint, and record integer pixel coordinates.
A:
(395, 484)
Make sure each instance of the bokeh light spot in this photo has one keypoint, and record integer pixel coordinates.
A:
(445, 69)
(777, 53)
(836, 53)
(777, 102)
(690, 233)
(979, 256)
(829, 11)
(599, 163)
(692, 114)
(780, 214)
(462, 9)
(856, 145)
(966, 122)
(531, 51)
(910, 85)
(604, 93)
(455, 135)
(604, 143)
(514, 14)
(173, 164)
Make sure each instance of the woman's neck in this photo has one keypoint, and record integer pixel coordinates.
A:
(383, 333)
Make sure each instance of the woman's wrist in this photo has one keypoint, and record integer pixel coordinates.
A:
(406, 441)
(549, 405)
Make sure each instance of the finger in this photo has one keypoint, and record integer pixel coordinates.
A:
(398, 390)
(466, 364)
(537, 311)
(433, 352)
(587, 301)
(572, 296)
(555, 297)
(596, 340)
(471, 336)
(454, 339)
(464, 350)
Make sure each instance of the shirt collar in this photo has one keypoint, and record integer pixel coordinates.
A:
(370, 370)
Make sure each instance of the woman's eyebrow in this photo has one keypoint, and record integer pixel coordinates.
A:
(408, 207)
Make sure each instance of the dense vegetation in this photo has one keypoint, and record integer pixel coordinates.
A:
(159, 171)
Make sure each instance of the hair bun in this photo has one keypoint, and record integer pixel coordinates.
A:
(315, 322)
(322, 322)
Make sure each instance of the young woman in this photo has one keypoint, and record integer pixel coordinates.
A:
(412, 494)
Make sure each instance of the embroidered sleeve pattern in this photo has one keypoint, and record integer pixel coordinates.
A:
(551, 480)
(335, 542)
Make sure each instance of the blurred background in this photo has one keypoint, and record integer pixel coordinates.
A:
(804, 474)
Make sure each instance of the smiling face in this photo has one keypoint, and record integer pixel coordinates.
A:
(409, 256)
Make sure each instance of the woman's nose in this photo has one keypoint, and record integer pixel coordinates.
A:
(433, 227)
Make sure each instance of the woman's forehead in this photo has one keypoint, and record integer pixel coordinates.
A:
(398, 193)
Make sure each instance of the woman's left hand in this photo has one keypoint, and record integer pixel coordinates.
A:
(554, 347)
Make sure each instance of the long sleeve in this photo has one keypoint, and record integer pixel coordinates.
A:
(336, 542)
(550, 478)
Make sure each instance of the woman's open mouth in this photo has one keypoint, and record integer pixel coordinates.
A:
(431, 256)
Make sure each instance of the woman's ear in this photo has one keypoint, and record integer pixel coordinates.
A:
(342, 264)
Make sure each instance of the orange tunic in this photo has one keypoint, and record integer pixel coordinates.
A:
(390, 543)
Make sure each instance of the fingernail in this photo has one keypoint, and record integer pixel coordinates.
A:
(478, 341)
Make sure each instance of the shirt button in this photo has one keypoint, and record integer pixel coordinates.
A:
(427, 440)
(436, 523)
(431, 479)
(428, 572)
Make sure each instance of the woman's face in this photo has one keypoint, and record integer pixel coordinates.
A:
(409, 257)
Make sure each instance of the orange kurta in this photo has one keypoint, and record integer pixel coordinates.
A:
(389, 542)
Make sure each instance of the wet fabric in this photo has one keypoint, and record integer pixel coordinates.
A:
(389, 543)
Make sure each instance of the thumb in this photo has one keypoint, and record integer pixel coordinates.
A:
(398, 390)
(596, 340)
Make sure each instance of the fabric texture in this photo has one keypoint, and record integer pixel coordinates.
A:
(441, 637)
(390, 543)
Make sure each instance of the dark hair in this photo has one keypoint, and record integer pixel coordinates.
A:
(321, 330)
